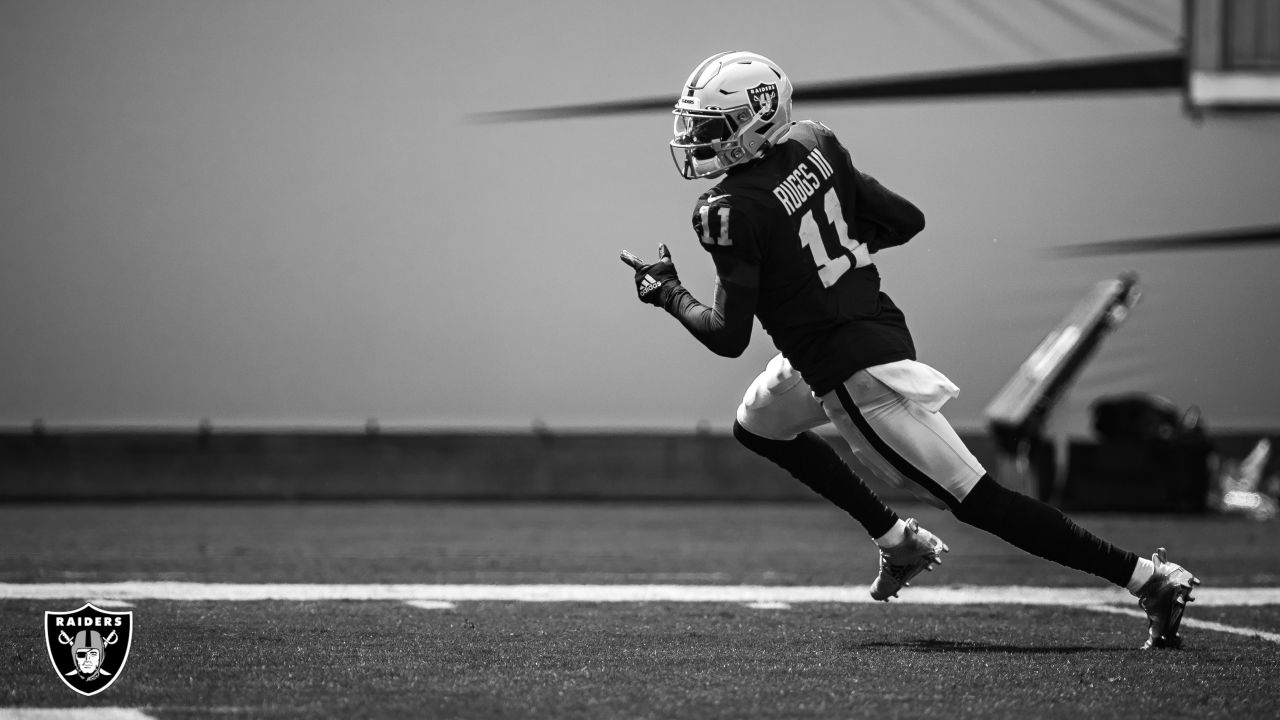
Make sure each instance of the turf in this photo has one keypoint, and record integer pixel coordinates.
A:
(653, 660)
(635, 660)
(788, 544)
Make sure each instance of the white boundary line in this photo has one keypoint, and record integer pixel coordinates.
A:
(431, 604)
(768, 605)
(101, 713)
(442, 597)
(1192, 622)
(105, 603)
(788, 594)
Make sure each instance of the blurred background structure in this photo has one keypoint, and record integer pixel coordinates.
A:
(304, 248)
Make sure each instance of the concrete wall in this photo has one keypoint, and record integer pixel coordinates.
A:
(219, 465)
(282, 215)
(159, 466)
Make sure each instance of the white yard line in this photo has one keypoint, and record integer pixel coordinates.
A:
(91, 713)
(431, 604)
(768, 605)
(787, 594)
(1194, 623)
(444, 597)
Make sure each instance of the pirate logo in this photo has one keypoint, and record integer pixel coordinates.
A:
(88, 647)
(764, 100)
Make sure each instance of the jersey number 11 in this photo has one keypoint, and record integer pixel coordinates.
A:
(814, 234)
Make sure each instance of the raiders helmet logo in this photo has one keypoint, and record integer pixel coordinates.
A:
(88, 647)
(764, 100)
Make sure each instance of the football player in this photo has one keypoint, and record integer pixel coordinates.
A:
(792, 227)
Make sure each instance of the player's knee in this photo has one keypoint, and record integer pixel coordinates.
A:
(961, 489)
(751, 441)
(771, 448)
(764, 421)
(747, 420)
(987, 499)
(806, 456)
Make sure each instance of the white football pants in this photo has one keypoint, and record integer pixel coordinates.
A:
(897, 439)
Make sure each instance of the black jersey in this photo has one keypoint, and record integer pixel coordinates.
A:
(810, 220)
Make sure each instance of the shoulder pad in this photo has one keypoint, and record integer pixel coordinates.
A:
(808, 133)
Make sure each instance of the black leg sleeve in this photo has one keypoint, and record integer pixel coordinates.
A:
(813, 461)
(1044, 531)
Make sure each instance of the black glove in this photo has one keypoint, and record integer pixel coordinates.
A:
(655, 281)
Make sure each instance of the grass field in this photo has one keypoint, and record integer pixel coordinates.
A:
(606, 610)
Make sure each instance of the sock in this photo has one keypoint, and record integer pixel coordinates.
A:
(1142, 572)
(895, 536)
(1043, 531)
(812, 461)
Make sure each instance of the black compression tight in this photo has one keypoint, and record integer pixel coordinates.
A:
(1024, 522)
(1043, 530)
(812, 461)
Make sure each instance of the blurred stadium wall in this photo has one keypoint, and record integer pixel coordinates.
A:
(284, 217)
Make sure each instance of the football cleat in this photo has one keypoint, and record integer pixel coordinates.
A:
(919, 551)
(1164, 598)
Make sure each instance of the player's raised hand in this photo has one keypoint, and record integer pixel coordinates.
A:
(653, 279)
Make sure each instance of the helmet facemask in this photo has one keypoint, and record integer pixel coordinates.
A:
(706, 142)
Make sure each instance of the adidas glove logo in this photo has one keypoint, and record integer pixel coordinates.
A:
(649, 285)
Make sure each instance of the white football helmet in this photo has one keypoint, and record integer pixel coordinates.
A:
(732, 108)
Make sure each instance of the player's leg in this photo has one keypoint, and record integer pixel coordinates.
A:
(776, 419)
(903, 441)
(907, 442)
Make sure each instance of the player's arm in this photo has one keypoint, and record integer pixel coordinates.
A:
(883, 218)
(725, 327)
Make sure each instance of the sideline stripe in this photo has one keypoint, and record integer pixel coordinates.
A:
(886, 451)
(104, 713)
(1192, 622)
(948, 595)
